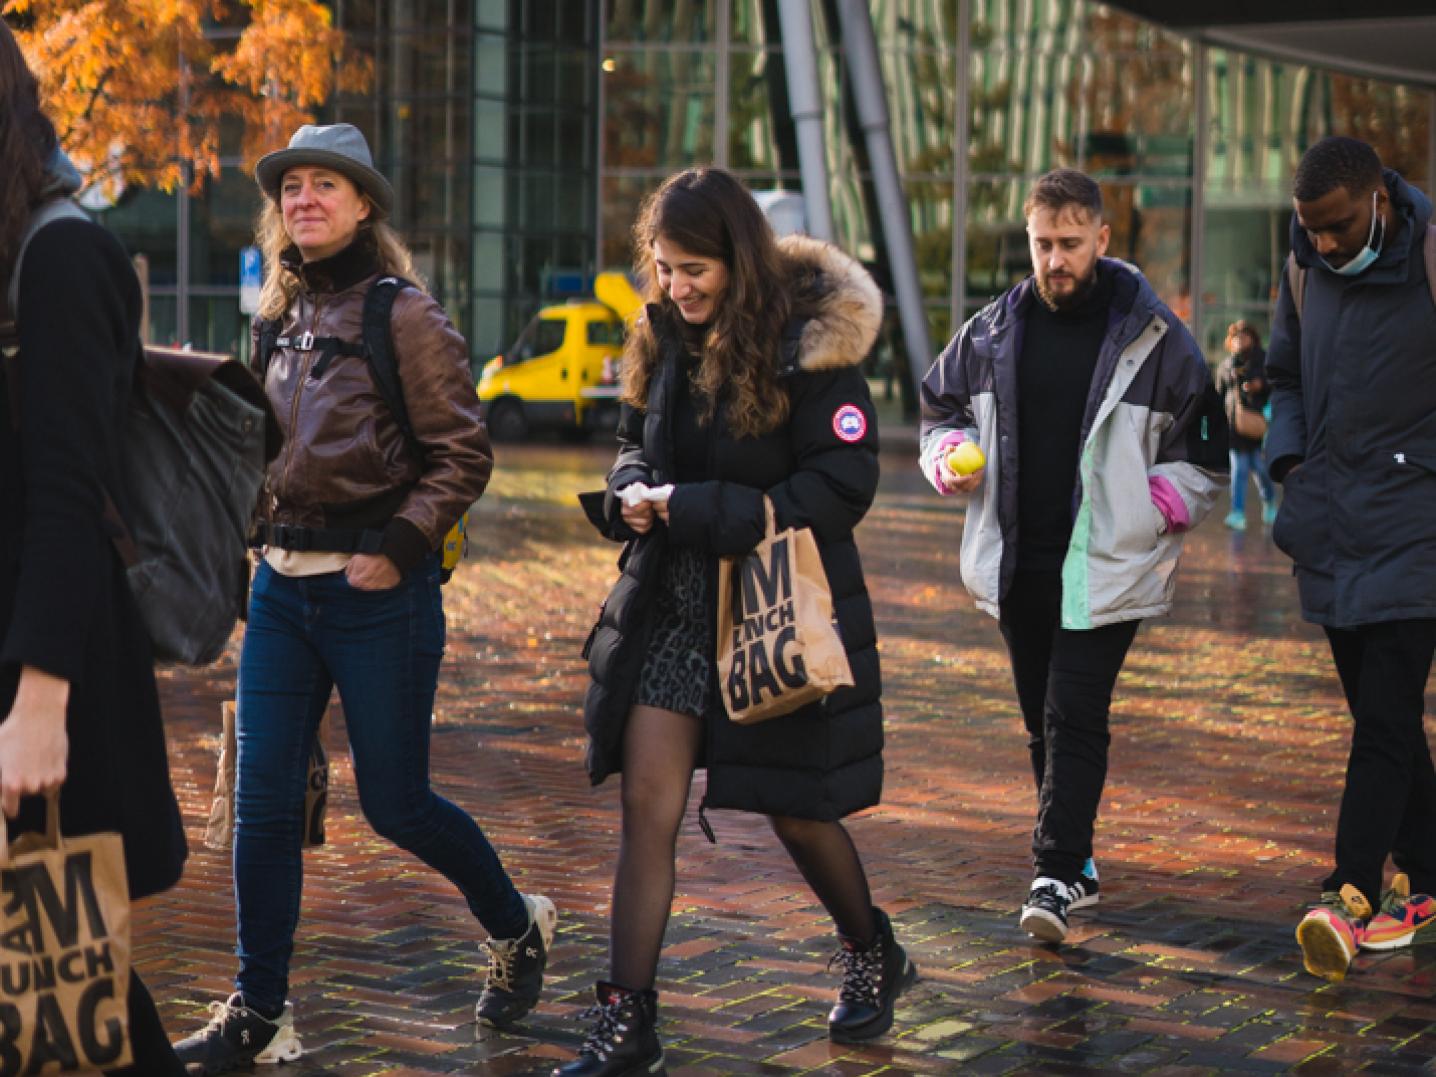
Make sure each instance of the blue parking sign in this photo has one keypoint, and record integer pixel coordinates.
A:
(251, 276)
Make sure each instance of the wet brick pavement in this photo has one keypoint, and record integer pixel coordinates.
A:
(1229, 744)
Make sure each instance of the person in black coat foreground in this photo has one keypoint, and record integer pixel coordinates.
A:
(77, 686)
(1353, 443)
(741, 382)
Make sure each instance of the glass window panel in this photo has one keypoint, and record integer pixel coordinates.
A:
(491, 65)
(490, 207)
(1065, 25)
(574, 88)
(489, 272)
(536, 70)
(921, 108)
(490, 126)
(215, 323)
(660, 110)
(162, 313)
(750, 22)
(754, 129)
(431, 62)
(222, 222)
(145, 221)
(487, 322)
(659, 21)
(622, 196)
(1117, 114)
(915, 24)
(536, 197)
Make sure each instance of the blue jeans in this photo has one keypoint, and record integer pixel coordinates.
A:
(305, 636)
(1248, 462)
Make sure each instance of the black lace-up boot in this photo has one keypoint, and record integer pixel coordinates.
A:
(874, 975)
(624, 1039)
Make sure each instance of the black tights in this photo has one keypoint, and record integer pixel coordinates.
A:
(659, 752)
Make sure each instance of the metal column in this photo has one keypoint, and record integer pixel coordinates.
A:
(961, 135)
(871, 101)
(1197, 267)
(800, 63)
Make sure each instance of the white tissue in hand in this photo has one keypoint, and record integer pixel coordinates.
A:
(659, 493)
(633, 495)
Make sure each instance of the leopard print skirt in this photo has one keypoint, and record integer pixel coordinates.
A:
(678, 673)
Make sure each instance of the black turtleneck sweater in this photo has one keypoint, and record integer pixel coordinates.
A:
(1054, 376)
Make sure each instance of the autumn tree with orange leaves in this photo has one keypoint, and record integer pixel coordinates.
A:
(141, 89)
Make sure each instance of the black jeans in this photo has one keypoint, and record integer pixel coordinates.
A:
(1389, 804)
(1064, 685)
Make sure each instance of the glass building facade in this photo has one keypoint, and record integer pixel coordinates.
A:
(521, 136)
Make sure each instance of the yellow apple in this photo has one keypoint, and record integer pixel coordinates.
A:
(966, 458)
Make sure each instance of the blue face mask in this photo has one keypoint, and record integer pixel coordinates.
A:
(1363, 259)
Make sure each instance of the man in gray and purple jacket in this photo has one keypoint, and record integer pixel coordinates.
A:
(1105, 441)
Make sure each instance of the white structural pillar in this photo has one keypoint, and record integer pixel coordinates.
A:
(800, 63)
(871, 99)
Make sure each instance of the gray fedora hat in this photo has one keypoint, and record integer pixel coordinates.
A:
(339, 146)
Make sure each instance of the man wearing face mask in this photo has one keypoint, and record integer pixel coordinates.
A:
(1104, 441)
(1352, 366)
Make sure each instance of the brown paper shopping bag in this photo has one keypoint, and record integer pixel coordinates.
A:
(64, 952)
(777, 646)
(219, 832)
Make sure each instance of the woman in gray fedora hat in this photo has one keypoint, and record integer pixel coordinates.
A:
(384, 451)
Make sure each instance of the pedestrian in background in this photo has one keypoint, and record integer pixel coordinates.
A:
(347, 594)
(77, 684)
(1353, 442)
(1243, 372)
(1105, 441)
(741, 384)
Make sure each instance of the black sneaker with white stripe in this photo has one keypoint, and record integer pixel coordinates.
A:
(1086, 889)
(1044, 916)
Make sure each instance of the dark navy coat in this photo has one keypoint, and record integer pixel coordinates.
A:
(1354, 404)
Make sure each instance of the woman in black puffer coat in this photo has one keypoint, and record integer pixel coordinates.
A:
(740, 382)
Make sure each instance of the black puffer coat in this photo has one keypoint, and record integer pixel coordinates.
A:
(1353, 380)
(820, 470)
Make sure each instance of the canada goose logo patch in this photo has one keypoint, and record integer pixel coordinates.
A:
(849, 423)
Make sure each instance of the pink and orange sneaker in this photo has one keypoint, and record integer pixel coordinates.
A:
(1330, 934)
(1402, 915)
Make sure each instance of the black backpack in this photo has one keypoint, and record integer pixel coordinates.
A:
(198, 436)
(376, 347)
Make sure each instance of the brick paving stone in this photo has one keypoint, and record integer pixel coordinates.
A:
(1229, 744)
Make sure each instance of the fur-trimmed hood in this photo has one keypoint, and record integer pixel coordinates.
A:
(840, 301)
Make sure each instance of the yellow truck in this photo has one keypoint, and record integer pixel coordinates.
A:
(562, 371)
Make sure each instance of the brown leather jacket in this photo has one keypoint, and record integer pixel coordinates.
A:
(345, 462)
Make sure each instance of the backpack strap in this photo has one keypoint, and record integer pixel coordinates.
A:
(268, 341)
(1296, 275)
(1295, 283)
(378, 340)
(54, 210)
(1428, 249)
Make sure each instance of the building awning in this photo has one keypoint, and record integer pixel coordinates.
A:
(1387, 39)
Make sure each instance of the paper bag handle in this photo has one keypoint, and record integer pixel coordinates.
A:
(51, 836)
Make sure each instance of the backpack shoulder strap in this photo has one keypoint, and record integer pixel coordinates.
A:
(264, 350)
(1296, 283)
(1428, 249)
(378, 341)
(54, 210)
